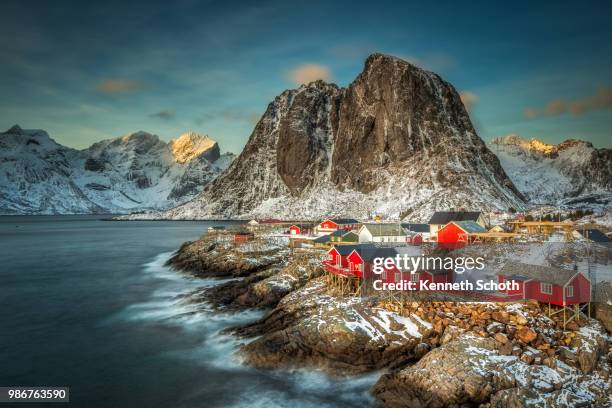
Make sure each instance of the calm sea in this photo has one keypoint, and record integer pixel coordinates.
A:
(88, 304)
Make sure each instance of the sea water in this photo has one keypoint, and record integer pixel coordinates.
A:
(89, 304)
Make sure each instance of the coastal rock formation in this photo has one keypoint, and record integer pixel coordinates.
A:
(312, 327)
(264, 288)
(215, 256)
(439, 351)
(471, 370)
(396, 140)
(134, 172)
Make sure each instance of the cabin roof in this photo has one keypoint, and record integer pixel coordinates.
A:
(444, 217)
(301, 226)
(343, 220)
(548, 274)
(323, 239)
(415, 227)
(385, 230)
(369, 252)
(594, 235)
(345, 250)
(470, 226)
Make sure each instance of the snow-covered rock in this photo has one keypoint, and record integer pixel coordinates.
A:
(572, 173)
(129, 173)
(396, 141)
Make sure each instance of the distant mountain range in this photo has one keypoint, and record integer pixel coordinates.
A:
(396, 141)
(572, 173)
(135, 172)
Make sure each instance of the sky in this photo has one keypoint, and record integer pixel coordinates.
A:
(87, 71)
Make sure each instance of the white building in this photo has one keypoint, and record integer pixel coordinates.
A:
(377, 232)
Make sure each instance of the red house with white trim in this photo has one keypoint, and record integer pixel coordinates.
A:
(329, 225)
(546, 284)
(456, 234)
(358, 261)
(300, 229)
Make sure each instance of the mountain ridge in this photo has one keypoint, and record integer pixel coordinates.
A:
(133, 172)
(369, 148)
(572, 172)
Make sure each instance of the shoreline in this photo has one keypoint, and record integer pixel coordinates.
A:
(307, 325)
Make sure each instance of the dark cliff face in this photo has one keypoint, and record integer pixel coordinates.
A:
(393, 113)
(305, 135)
(395, 121)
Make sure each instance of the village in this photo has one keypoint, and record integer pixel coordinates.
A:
(352, 247)
(517, 303)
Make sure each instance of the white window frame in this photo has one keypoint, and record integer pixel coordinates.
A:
(569, 291)
(414, 277)
(384, 274)
(398, 277)
(546, 288)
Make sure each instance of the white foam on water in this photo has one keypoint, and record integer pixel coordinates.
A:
(310, 388)
(170, 303)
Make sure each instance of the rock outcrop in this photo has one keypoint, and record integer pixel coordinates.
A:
(396, 140)
(215, 256)
(470, 370)
(313, 328)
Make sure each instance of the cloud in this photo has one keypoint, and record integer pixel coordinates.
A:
(118, 86)
(307, 73)
(601, 99)
(166, 114)
(468, 99)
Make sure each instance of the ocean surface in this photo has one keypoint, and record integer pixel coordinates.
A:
(88, 304)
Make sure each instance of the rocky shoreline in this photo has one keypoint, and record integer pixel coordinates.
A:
(435, 352)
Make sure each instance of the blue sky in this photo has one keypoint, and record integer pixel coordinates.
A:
(85, 72)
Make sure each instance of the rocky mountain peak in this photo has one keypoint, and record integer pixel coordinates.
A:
(533, 145)
(138, 137)
(396, 140)
(569, 143)
(191, 145)
(16, 129)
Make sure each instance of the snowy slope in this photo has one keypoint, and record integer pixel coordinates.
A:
(130, 173)
(397, 141)
(572, 173)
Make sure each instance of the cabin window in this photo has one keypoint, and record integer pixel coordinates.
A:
(569, 291)
(414, 277)
(384, 275)
(398, 277)
(546, 288)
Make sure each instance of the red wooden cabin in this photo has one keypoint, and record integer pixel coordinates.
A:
(358, 261)
(416, 239)
(557, 286)
(300, 229)
(456, 234)
(243, 236)
(330, 225)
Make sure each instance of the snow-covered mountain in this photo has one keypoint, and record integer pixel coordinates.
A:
(572, 173)
(129, 173)
(397, 140)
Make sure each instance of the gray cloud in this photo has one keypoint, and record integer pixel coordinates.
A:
(166, 114)
(601, 99)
